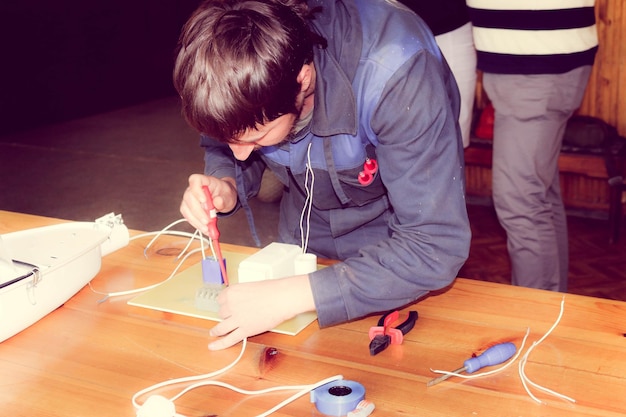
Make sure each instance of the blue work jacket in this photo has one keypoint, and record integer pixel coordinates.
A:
(383, 91)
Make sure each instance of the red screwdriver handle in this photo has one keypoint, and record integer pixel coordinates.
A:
(214, 233)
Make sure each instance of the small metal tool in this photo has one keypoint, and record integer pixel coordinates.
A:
(493, 356)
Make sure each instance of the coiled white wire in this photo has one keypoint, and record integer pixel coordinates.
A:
(522, 364)
(303, 389)
(184, 253)
(308, 203)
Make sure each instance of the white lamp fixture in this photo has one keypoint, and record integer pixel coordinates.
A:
(42, 268)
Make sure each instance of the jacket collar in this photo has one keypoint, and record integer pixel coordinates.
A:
(335, 106)
(335, 109)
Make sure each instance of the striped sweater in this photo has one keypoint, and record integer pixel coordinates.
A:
(533, 36)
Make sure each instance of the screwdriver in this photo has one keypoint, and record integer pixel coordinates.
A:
(214, 232)
(493, 356)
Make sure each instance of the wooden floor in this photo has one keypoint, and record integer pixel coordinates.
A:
(597, 268)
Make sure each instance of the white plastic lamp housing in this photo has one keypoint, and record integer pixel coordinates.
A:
(42, 268)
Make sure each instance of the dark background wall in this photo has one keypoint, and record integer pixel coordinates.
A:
(63, 59)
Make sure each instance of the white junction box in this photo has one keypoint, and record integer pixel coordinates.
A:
(276, 260)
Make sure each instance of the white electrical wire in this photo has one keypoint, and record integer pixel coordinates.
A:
(165, 231)
(303, 389)
(146, 288)
(190, 378)
(522, 365)
(158, 234)
(194, 236)
(308, 203)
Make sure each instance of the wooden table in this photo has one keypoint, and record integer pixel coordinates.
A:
(89, 359)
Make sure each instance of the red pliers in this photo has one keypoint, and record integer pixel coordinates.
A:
(383, 335)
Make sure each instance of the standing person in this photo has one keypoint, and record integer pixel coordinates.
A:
(536, 57)
(450, 23)
(351, 104)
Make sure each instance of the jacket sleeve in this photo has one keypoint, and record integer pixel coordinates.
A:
(420, 157)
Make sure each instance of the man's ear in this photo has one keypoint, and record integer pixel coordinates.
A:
(305, 77)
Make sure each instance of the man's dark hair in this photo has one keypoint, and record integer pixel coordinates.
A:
(238, 62)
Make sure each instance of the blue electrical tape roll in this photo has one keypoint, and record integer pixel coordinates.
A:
(338, 398)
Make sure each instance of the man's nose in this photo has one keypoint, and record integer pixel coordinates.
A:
(241, 152)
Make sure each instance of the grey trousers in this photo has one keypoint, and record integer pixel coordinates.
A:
(531, 112)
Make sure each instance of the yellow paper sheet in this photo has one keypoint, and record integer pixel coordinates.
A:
(178, 295)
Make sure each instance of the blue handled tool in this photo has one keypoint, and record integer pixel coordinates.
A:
(493, 356)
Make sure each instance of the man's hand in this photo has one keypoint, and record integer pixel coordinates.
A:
(223, 191)
(252, 308)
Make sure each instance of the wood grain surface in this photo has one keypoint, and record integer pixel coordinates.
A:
(89, 358)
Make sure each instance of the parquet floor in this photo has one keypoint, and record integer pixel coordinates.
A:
(597, 268)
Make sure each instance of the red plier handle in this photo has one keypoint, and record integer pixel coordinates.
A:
(214, 232)
(384, 335)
